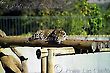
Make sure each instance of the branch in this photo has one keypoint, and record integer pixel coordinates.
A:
(23, 41)
(12, 66)
(79, 45)
(22, 59)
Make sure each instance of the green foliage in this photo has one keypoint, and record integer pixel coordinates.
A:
(68, 20)
(106, 20)
(93, 15)
(74, 16)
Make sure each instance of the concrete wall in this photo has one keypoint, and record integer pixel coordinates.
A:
(81, 63)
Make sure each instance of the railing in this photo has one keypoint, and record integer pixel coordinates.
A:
(47, 56)
(17, 25)
(20, 25)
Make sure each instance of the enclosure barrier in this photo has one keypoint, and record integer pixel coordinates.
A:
(47, 56)
(19, 25)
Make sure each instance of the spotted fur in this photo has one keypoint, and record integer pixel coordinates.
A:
(51, 35)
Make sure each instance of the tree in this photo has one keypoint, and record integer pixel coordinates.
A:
(74, 16)
(106, 20)
(92, 14)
